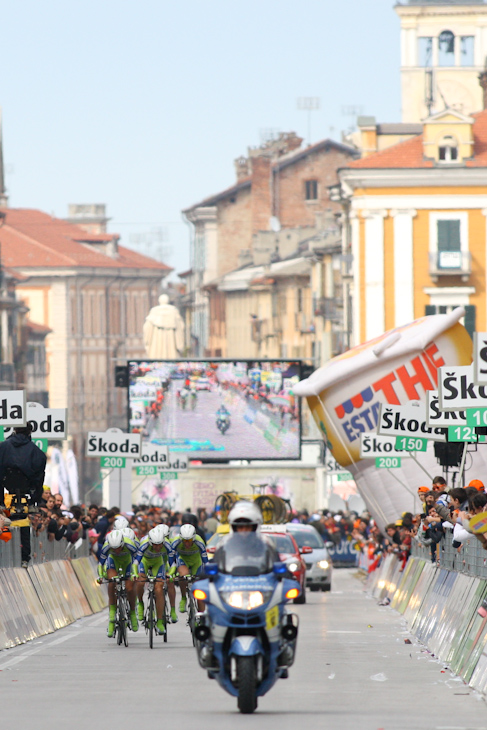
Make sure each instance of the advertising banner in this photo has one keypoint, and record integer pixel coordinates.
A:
(114, 443)
(373, 446)
(457, 390)
(408, 420)
(480, 358)
(152, 454)
(13, 411)
(345, 397)
(47, 423)
(437, 418)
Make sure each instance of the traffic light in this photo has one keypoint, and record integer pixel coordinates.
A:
(121, 376)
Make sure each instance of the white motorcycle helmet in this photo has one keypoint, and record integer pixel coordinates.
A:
(156, 535)
(115, 539)
(187, 532)
(128, 532)
(120, 523)
(245, 513)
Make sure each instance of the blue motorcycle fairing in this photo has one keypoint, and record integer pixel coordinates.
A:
(246, 646)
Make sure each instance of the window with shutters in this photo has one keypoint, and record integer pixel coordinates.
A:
(449, 254)
(311, 189)
(449, 244)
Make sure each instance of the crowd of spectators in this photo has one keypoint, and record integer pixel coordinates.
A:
(445, 515)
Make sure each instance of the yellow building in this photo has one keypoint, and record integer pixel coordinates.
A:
(443, 50)
(417, 215)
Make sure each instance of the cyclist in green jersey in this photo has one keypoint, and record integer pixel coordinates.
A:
(189, 556)
(153, 555)
(118, 553)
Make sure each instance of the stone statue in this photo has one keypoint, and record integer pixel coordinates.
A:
(163, 331)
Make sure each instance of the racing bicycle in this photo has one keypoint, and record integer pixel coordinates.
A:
(123, 609)
(150, 615)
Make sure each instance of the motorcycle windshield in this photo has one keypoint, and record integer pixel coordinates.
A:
(245, 554)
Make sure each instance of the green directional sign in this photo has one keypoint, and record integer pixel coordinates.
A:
(146, 470)
(168, 474)
(40, 443)
(465, 434)
(113, 462)
(388, 462)
(476, 417)
(411, 443)
(344, 476)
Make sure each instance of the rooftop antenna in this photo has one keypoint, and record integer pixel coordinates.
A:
(309, 104)
(354, 111)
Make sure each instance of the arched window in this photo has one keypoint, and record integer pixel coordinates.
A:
(448, 150)
(446, 48)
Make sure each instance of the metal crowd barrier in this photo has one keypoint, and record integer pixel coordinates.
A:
(470, 559)
(42, 550)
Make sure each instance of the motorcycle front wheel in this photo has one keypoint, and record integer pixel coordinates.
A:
(247, 680)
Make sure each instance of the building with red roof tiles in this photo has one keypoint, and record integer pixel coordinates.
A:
(417, 225)
(90, 296)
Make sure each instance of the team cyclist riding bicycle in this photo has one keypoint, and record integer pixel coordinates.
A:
(156, 554)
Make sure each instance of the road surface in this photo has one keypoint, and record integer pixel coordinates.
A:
(347, 645)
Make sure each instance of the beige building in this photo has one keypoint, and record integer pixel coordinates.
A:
(443, 50)
(93, 296)
(279, 198)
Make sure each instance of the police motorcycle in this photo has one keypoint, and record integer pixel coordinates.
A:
(246, 639)
(223, 420)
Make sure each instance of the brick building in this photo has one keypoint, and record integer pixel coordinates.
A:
(279, 186)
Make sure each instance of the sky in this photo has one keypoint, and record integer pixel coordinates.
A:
(144, 105)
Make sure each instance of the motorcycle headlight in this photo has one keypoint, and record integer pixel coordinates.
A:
(245, 600)
(323, 564)
(292, 567)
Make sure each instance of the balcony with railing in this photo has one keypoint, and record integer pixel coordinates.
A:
(330, 308)
(450, 263)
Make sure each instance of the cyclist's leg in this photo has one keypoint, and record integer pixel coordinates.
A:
(112, 598)
(183, 570)
(160, 573)
(139, 589)
(125, 564)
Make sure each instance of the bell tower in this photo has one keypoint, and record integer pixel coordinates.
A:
(443, 51)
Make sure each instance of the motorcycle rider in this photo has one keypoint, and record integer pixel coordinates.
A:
(222, 417)
(245, 518)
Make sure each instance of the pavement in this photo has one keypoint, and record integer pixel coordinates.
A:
(353, 671)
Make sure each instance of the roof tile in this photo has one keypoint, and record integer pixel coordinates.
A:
(409, 154)
(31, 238)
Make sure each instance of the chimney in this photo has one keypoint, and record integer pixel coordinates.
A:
(368, 135)
(242, 167)
(261, 193)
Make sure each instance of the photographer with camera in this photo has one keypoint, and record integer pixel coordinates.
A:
(22, 470)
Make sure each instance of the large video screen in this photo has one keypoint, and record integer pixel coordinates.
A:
(217, 410)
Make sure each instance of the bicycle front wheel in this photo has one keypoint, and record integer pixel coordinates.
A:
(150, 618)
(191, 617)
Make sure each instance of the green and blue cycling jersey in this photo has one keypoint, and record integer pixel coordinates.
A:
(147, 557)
(125, 560)
(194, 556)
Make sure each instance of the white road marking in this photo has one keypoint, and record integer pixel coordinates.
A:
(27, 654)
